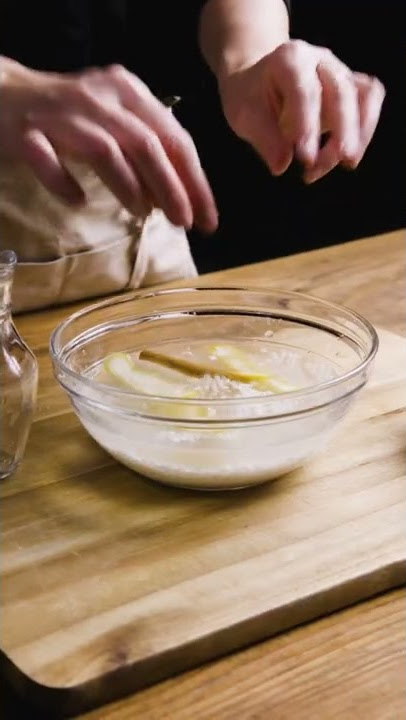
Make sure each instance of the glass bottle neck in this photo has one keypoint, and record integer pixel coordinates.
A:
(5, 299)
(8, 262)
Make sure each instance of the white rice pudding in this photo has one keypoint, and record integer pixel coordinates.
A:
(209, 444)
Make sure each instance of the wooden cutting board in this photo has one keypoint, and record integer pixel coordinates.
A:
(109, 583)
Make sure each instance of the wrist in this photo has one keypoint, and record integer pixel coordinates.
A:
(236, 60)
(248, 49)
(12, 72)
(236, 34)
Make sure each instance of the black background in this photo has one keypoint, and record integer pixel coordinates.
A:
(263, 217)
(260, 217)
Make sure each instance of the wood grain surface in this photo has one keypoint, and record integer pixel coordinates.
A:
(62, 577)
(349, 666)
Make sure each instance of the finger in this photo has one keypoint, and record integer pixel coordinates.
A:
(41, 157)
(298, 84)
(180, 150)
(82, 139)
(159, 176)
(371, 94)
(327, 160)
(266, 137)
(340, 107)
(149, 159)
(341, 117)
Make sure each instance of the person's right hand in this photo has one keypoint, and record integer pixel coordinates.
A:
(108, 119)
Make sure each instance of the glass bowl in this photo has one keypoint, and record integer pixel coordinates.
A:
(222, 443)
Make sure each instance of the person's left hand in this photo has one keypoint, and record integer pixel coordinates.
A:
(283, 103)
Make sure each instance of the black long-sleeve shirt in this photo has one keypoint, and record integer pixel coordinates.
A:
(156, 40)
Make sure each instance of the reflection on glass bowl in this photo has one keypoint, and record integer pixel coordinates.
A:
(321, 351)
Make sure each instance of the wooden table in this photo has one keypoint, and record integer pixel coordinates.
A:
(348, 665)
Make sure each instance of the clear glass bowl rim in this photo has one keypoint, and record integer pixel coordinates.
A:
(56, 349)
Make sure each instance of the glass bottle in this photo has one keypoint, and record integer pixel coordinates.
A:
(18, 377)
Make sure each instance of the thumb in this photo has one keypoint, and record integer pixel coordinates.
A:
(266, 136)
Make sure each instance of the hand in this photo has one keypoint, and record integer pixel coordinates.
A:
(284, 102)
(110, 120)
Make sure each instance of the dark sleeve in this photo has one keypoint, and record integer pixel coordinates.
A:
(201, 4)
(287, 3)
(46, 35)
(166, 55)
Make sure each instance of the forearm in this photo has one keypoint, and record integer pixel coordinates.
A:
(16, 79)
(236, 33)
(10, 71)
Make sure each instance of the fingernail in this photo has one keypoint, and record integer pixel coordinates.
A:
(349, 164)
(188, 221)
(307, 150)
(208, 223)
(311, 177)
(211, 226)
(350, 150)
(280, 164)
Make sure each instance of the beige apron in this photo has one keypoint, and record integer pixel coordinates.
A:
(67, 254)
